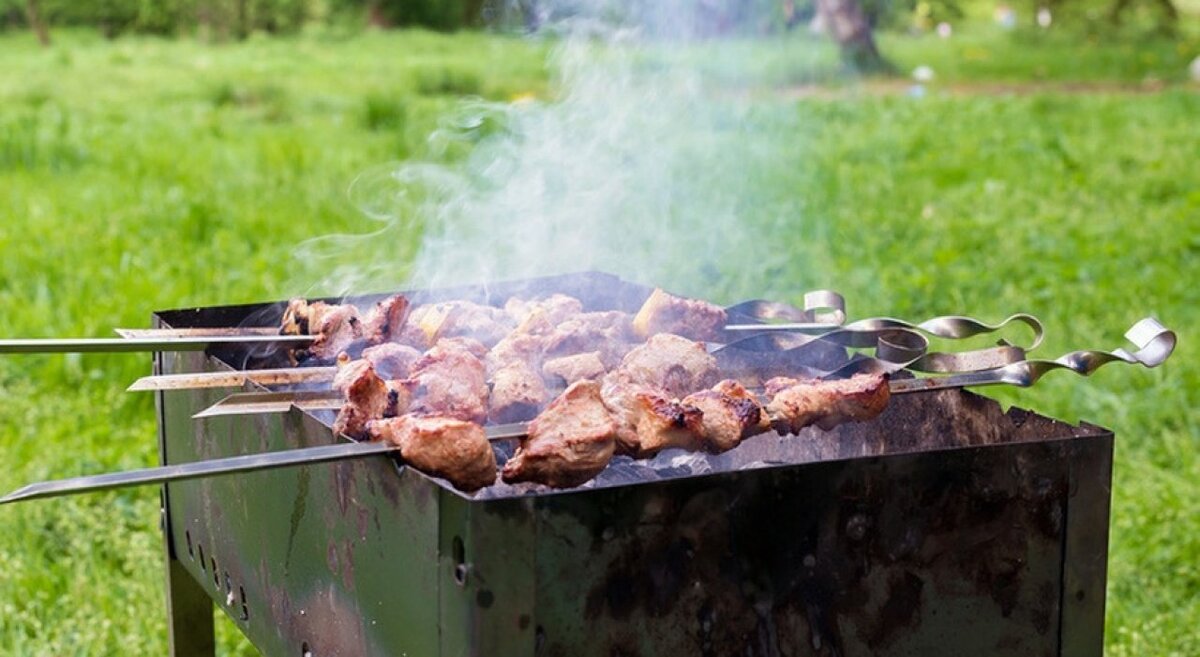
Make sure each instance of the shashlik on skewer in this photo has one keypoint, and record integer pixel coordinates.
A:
(660, 396)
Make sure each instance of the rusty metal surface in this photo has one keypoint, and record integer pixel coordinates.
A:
(948, 527)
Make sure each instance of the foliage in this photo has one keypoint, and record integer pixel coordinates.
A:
(143, 174)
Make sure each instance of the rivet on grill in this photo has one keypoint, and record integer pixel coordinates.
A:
(459, 552)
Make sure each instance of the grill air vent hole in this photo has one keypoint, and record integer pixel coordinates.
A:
(200, 549)
(305, 651)
(245, 609)
(459, 552)
(228, 587)
(212, 561)
(188, 536)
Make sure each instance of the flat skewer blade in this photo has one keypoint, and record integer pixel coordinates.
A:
(164, 333)
(231, 465)
(198, 469)
(123, 345)
(791, 327)
(265, 403)
(234, 379)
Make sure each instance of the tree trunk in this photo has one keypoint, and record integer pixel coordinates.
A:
(846, 22)
(34, 15)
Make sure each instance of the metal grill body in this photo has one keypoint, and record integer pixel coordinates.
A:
(946, 527)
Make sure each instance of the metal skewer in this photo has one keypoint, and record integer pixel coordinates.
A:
(231, 465)
(1154, 343)
(233, 379)
(163, 333)
(123, 345)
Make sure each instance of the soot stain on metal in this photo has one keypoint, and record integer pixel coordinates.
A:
(299, 508)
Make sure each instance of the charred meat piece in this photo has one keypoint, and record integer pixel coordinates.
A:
(664, 423)
(666, 313)
(517, 393)
(367, 397)
(674, 365)
(455, 450)
(797, 404)
(385, 321)
(465, 319)
(569, 443)
(392, 360)
(335, 327)
(554, 308)
(730, 414)
(575, 368)
(449, 381)
(336, 331)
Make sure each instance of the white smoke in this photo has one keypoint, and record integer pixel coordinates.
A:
(640, 164)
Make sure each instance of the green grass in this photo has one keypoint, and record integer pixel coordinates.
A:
(146, 174)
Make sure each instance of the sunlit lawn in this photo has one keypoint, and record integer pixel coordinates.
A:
(146, 174)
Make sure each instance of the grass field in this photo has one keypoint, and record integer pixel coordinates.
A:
(147, 174)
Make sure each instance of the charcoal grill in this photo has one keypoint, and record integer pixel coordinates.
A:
(946, 527)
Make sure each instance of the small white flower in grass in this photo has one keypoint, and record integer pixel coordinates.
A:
(1044, 18)
(944, 30)
(922, 73)
(1194, 69)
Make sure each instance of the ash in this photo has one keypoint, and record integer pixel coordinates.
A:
(625, 470)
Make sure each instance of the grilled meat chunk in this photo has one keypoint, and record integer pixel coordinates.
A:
(449, 381)
(666, 313)
(797, 404)
(729, 415)
(517, 393)
(455, 450)
(336, 326)
(392, 360)
(588, 332)
(568, 443)
(554, 308)
(575, 368)
(367, 397)
(664, 423)
(669, 363)
(455, 319)
(384, 322)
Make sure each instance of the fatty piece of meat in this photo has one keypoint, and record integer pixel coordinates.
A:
(366, 397)
(384, 322)
(453, 319)
(555, 308)
(449, 380)
(517, 393)
(578, 367)
(663, 312)
(568, 443)
(455, 450)
(797, 404)
(526, 343)
(729, 415)
(671, 364)
(392, 360)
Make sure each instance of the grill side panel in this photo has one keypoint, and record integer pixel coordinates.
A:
(336, 558)
(949, 553)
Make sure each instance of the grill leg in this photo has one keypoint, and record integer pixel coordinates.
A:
(189, 614)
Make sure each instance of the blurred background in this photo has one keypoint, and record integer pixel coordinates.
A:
(923, 157)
